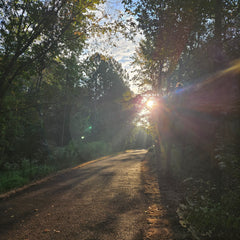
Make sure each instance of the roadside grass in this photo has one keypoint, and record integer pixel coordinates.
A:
(74, 155)
(11, 179)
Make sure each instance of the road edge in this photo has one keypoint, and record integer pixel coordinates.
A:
(15, 191)
(158, 226)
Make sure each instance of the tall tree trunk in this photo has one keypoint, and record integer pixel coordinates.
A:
(65, 135)
(218, 21)
(219, 60)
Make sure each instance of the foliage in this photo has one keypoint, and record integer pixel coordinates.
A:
(56, 124)
(207, 217)
(32, 32)
(183, 39)
(77, 152)
(14, 176)
(45, 95)
(183, 62)
(104, 79)
(35, 78)
(139, 139)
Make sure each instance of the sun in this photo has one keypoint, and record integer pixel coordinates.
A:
(150, 103)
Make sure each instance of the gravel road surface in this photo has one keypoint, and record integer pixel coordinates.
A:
(103, 200)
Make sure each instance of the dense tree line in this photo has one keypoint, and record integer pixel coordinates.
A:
(55, 110)
(188, 62)
(34, 36)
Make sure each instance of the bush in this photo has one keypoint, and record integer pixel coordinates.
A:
(93, 150)
(15, 176)
(207, 217)
(11, 180)
(77, 152)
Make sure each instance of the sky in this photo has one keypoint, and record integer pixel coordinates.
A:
(124, 48)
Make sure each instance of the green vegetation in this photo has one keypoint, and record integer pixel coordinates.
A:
(56, 110)
(14, 175)
(17, 176)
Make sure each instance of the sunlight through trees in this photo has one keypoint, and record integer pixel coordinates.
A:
(60, 106)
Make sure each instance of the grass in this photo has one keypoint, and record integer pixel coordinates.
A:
(17, 175)
(11, 179)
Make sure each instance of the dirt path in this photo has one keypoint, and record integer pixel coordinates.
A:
(103, 200)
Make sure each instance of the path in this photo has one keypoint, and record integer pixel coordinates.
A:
(100, 201)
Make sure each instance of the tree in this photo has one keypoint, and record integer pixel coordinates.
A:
(62, 93)
(183, 43)
(35, 36)
(40, 87)
(34, 31)
(200, 116)
(105, 79)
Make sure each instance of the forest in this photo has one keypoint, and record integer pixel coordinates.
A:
(58, 109)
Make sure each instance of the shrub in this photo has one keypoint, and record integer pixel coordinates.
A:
(15, 176)
(77, 152)
(10, 180)
(207, 217)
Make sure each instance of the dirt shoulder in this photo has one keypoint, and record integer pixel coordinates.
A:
(164, 195)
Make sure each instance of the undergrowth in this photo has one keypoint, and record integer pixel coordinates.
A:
(17, 175)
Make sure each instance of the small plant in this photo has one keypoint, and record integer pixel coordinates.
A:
(11, 180)
(207, 217)
(14, 176)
